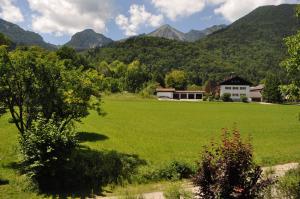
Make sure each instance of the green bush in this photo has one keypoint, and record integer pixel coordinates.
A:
(46, 149)
(226, 97)
(53, 159)
(244, 99)
(89, 169)
(228, 170)
(211, 98)
(217, 97)
(289, 185)
(176, 191)
(149, 89)
(173, 171)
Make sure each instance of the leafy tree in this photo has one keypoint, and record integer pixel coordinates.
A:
(210, 86)
(176, 79)
(135, 77)
(103, 68)
(227, 170)
(271, 92)
(194, 87)
(119, 69)
(4, 40)
(35, 83)
(72, 58)
(292, 65)
(291, 92)
(149, 89)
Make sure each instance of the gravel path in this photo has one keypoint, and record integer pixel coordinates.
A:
(278, 171)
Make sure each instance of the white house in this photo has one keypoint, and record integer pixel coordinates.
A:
(166, 93)
(237, 87)
(171, 93)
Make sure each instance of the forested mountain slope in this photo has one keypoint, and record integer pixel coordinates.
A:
(251, 46)
(20, 36)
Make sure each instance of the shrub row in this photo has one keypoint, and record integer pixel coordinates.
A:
(174, 171)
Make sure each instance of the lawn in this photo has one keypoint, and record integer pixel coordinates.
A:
(161, 131)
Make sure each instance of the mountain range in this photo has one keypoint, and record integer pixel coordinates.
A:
(168, 32)
(251, 46)
(88, 38)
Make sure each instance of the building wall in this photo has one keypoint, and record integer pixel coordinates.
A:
(165, 95)
(236, 91)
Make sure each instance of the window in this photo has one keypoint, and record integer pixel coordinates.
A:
(242, 95)
(235, 88)
(198, 96)
(235, 95)
(183, 96)
(228, 88)
(242, 88)
(191, 96)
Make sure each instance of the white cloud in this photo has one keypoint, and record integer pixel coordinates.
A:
(66, 17)
(10, 12)
(233, 10)
(229, 9)
(138, 17)
(178, 8)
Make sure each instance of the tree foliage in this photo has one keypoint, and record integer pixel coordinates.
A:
(45, 147)
(292, 65)
(35, 83)
(176, 79)
(271, 92)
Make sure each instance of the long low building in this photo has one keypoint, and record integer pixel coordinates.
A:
(171, 93)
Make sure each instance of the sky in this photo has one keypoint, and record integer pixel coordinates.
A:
(58, 20)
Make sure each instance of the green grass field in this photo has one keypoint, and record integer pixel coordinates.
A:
(160, 131)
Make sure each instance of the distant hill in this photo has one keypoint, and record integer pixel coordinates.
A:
(168, 32)
(20, 36)
(250, 47)
(88, 39)
(195, 35)
(254, 43)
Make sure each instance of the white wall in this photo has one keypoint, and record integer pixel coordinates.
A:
(235, 93)
(165, 95)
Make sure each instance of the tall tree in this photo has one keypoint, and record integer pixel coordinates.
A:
(4, 40)
(176, 79)
(35, 83)
(135, 77)
(271, 92)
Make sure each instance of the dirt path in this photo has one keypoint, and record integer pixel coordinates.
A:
(278, 171)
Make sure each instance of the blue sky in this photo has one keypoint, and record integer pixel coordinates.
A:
(57, 20)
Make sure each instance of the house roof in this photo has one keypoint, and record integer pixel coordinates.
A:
(255, 94)
(192, 91)
(165, 90)
(259, 87)
(236, 80)
(174, 90)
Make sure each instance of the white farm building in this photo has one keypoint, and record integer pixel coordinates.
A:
(171, 93)
(237, 87)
